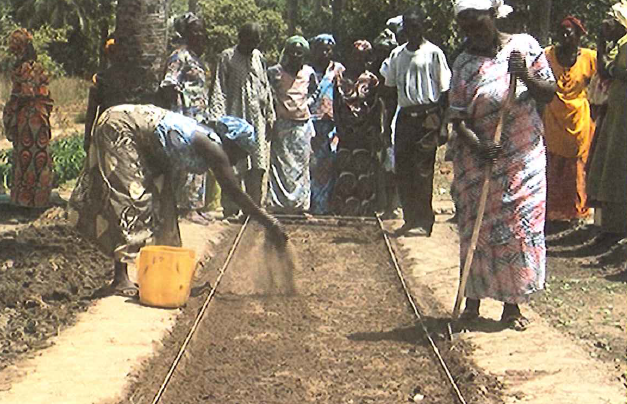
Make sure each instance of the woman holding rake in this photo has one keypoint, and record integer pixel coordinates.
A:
(510, 256)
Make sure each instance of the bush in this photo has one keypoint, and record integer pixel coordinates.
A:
(42, 38)
(224, 17)
(68, 156)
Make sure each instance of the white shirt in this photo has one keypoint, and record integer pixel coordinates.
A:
(420, 77)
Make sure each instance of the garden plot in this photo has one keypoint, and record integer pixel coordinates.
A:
(326, 322)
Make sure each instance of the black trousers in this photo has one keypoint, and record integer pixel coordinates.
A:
(414, 152)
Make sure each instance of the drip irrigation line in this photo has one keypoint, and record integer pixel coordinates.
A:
(200, 315)
(399, 272)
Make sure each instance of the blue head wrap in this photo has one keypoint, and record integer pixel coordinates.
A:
(326, 39)
(237, 130)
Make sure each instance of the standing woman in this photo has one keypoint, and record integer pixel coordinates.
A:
(359, 114)
(290, 186)
(184, 90)
(321, 108)
(607, 178)
(509, 262)
(568, 124)
(27, 125)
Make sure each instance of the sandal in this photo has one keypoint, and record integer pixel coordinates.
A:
(516, 321)
(128, 291)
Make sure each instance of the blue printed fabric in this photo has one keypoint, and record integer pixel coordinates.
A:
(175, 132)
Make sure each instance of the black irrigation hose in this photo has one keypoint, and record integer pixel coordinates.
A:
(200, 315)
(436, 351)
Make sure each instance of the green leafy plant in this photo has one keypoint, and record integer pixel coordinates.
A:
(68, 157)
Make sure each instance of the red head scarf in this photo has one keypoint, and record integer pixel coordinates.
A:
(574, 23)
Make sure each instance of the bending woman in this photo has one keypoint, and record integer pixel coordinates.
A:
(509, 262)
(123, 199)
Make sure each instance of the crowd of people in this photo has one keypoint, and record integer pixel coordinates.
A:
(311, 135)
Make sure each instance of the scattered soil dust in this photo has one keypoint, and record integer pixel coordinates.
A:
(586, 293)
(324, 322)
(48, 273)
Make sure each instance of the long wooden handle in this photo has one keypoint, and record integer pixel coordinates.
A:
(482, 201)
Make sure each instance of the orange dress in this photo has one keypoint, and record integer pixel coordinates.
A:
(568, 130)
(27, 125)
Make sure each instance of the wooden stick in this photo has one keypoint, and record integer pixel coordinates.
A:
(482, 201)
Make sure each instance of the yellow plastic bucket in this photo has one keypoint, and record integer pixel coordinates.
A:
(165, 275)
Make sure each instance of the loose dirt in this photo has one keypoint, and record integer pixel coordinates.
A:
(47, 275)
(325, 322)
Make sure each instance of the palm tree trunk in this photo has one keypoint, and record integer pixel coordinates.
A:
(292, 16)
(140, 54)
(541, 20)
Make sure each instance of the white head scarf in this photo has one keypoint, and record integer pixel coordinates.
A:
(619, 11)
(502, 10)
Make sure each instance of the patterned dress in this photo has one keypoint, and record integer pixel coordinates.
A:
(359, 115)
(27, 125)
(323, 157)
(509, 263)
(186, 73)
(290, 187)
(124, 198)
(242, 89)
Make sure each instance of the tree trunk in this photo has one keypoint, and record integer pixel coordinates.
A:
(336, 9)
(140, 54)
(540, 12)
(292, 16)
(192, 6)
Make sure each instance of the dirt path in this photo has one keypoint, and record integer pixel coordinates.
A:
(334, 327)
(541, 365)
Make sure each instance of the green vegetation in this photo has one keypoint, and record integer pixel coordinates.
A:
(67, 155)
(69, 33)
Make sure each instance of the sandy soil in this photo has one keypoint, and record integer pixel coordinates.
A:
(326, 323)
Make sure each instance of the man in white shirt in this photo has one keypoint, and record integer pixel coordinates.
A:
(420, 74)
